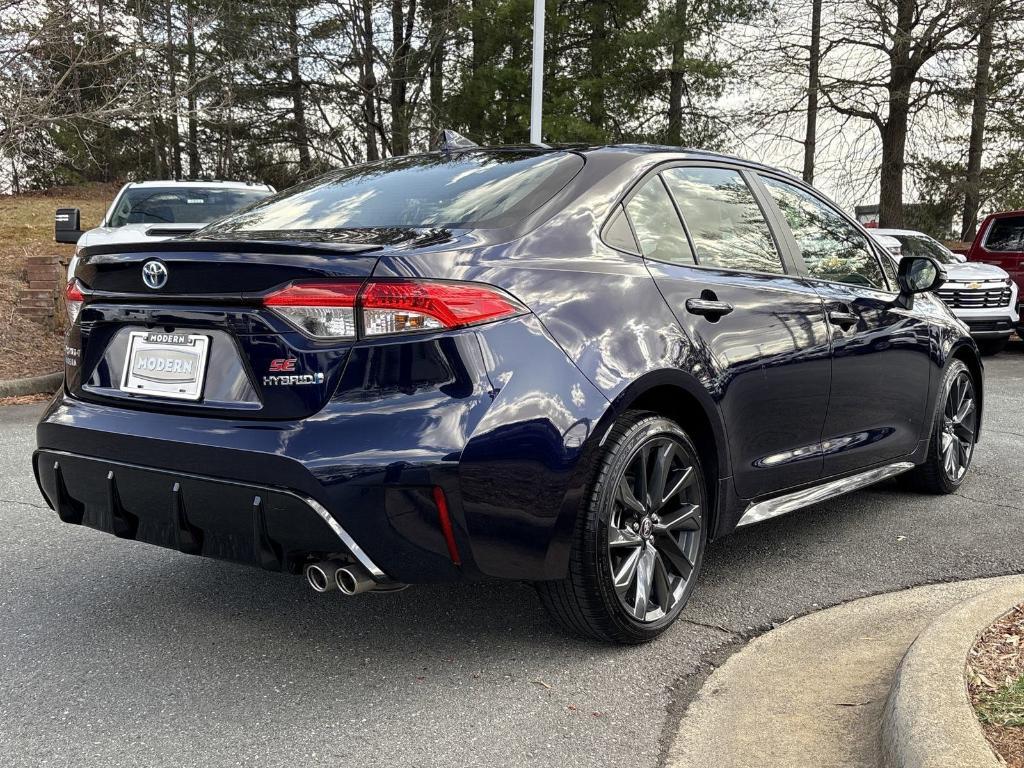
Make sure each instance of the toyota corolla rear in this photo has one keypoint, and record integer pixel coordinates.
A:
(277, 391)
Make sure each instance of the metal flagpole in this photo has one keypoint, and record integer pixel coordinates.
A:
(537, 88)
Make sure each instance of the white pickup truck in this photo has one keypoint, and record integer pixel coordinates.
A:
(150, 211)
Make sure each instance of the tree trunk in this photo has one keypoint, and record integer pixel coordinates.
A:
(401, 43)
(173, 137)
(811, 134)
(894, 148)
(194, 167)
(677, 76)
(894, 128)
(296, 87)
(596, 111)
(478, 57)
(975, 147)
(369, 82)
(438, 37)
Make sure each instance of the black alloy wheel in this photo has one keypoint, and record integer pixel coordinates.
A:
(640, 538)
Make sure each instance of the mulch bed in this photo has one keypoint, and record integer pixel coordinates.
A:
(995, 677)
(24, 400)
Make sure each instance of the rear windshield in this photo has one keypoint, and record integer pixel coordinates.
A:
(1006, 234)
(180, 205)
(466, 190)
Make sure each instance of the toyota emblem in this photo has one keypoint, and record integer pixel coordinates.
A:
(154, 274)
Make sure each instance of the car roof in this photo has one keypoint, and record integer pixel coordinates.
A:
(211, 183)
(628, 151)
(905, 232)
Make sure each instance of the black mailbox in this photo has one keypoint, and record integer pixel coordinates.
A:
(67, 225)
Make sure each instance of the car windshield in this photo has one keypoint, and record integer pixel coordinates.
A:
(473, 189)
(924, 246)
(180, 205)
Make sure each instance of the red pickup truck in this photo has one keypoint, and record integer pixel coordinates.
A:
(1000, 241)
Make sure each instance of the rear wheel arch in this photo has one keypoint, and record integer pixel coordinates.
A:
(681, 398)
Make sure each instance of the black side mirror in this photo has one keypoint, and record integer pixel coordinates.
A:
(67, 225)
(918, 274)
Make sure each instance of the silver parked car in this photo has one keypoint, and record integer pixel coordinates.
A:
(152, 211)
(982, 295)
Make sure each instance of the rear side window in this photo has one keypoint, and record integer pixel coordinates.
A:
(832, 247)
(724, 220)
(618, 234)
(1006, 234)
(657, 224)
(464, 190)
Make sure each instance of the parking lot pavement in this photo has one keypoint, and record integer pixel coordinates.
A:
(116, 653)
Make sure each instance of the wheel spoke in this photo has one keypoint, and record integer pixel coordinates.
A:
(965, 410)
(686, 518)
(964, 432)
(622, 537)
(947, 453)
(961, 395)
(659, 477)
(685, 480)
(627, 571)
(662, 583)
(670, 548)
(628, 498)
(642, 490)
(644, 579)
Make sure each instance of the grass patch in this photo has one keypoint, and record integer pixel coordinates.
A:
(26, 220)
(1005, 707)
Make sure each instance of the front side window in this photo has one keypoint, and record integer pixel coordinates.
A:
(475, 189)
(724, 220)
(657, 224)
(1006, 234)
(832, 247)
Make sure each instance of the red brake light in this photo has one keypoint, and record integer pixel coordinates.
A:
(394, 306)
(328, 310)
(334, 294)
(73, 298)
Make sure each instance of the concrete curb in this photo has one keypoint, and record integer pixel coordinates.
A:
(34, 385)
(929, 721)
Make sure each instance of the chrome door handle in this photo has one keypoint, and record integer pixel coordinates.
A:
(708, 308)
(843, 319)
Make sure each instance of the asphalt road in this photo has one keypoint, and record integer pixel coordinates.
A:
(120, 654)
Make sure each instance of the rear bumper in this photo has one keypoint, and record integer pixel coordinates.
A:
(268, 527)
(512, 465)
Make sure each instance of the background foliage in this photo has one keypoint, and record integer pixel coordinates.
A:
(279, 90)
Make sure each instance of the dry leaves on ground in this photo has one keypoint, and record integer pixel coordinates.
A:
(995, 675)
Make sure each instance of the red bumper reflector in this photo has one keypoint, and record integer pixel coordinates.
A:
(446, 525)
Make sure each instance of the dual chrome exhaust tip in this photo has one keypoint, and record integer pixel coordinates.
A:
(328, 575)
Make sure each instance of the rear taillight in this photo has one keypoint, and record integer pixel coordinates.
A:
(330, 310)
(321, 310)
(73, 299)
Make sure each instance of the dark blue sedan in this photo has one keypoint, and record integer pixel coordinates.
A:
(572, 366)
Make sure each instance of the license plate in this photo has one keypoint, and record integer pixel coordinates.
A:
(165, 365)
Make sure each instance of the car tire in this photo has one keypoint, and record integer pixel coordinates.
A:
(992, 346)
(951, 429)
(639, 538)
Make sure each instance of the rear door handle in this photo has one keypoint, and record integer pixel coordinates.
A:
(708, 308)
(843, 319)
